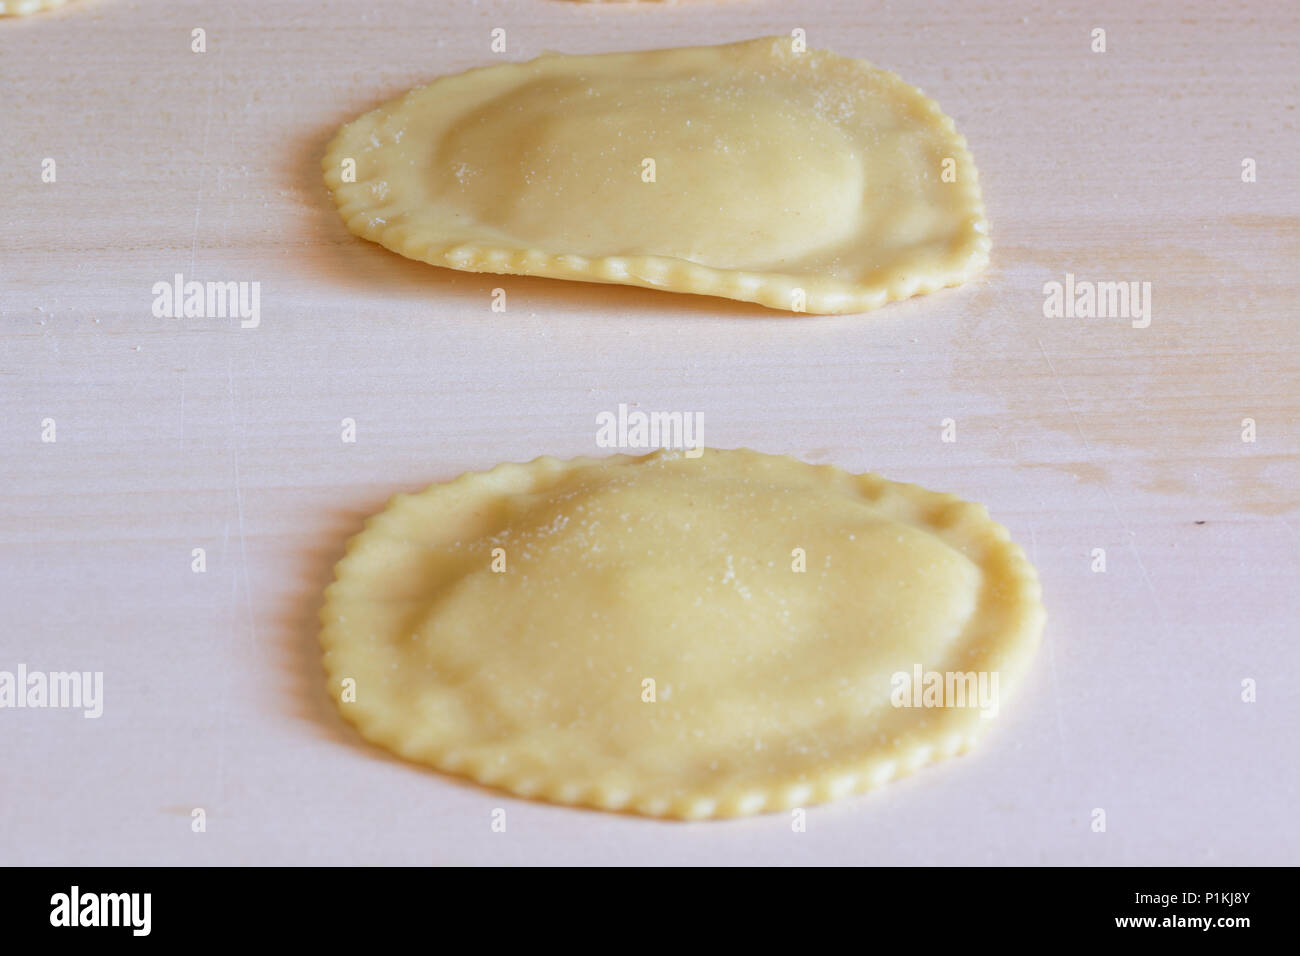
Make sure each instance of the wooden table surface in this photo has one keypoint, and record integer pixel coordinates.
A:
(1078, 433)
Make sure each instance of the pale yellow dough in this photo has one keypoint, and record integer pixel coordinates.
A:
(803, 181)
(19, 7)
(772, 685)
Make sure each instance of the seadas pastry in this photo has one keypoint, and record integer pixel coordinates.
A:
(799, 179)
(678, 637)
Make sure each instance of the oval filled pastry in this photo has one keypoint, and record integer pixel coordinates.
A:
(801, 180)
(678, 636)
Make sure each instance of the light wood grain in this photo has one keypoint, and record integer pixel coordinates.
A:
(1078, 434)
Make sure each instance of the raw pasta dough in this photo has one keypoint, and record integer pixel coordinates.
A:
(804, 181)
(20, 7)
(506, 627)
